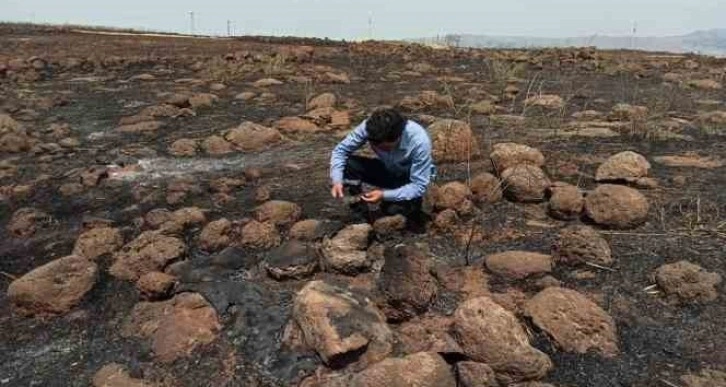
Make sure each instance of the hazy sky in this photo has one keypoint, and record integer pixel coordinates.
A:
(391, 18)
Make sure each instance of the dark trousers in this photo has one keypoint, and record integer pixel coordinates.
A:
(373, 172)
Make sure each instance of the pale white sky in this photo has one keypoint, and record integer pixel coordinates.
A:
(393, 19)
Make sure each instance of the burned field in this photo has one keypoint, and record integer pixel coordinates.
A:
(165, 217)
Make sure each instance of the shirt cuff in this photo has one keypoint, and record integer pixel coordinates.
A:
(389, 194)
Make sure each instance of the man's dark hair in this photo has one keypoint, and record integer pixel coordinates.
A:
(385, 125)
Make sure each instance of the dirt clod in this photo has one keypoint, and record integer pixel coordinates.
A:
(688, 282)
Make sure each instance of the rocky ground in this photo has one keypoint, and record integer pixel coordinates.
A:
(166, 218)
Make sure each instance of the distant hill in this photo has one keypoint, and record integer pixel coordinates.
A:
(707, 42)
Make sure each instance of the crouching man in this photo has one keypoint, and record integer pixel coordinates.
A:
(401, 172)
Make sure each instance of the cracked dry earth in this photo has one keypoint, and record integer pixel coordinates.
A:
(165, 217)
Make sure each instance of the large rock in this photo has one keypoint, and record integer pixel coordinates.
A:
(453, 141)
(322, 101)
(452, 196)
(115, 375)
(688, 282)
(625, 166)
(627, 112)
(507, 155)
(519, 264)
(341, 327)
(346, 251)
(252, 137)
(486, 188)
(616, 206)
(98, 241)
(260, 235)
(183, 147)
(548, 101)
(581, 244)
(428, 334)
(150, 251)
(566, 201)
(311, 230)
(217, 145)
(278, 212)
(492, 335)
(155, 285)
(53, 288)
(216, 235)
(575, 323)
(292, 260)
(406, 282)
(473, 374)
(389, 225)
(421, 369)
(202, 100)
(25, 222)
(175, 327)
(297, 125)
(525, 183)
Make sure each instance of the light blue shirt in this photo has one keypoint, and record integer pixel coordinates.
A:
(412, 157)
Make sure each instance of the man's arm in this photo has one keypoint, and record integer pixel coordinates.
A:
(352, 142)
(421, 167)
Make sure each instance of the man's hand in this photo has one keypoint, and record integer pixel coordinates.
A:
(374, 196)
(337, 191)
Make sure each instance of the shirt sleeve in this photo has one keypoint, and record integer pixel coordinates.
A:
(352, 142)
(421, 168)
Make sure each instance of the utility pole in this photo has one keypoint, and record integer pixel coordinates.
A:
(191, 22)
(632, 38)
(370, 25)
(229, 27)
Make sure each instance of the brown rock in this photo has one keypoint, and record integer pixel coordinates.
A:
(305, 230)
(93, 176)
(330, 77)
(625, 166)
(470, 281)
(178, 189)
(616, 206)
(53, 288)
(507, 155)
(155, 285)
(566, 201)
(575, 323)
(340, 326)
(490, 334)
(278, 212)
(339, 120)
(705, 84)
(691, 160)
(626, 112)
(202, 100)
(267, 82)
(525, 183)
(446, 220)
(548, 101)
(216, 145)
(175, 327)
(389, 225)
(246, 96)
(141, 127)
(183, 147)
(324, 100)
(25, 222)
(453, 196)
(428, 334)
(346, 251)
(71, 189)
(179, 100)
(473, 374)
(297, 125)
(260, 235)
(292, 260)
(486, 188)
(157, 217)
(453, 141)
(115, 375)
(688, 282)
(262, 194)
(150, 251)
(483, 107)
(406, 282)
(421, 370)
(518, 264)
(160, 111)
(97, 242)
(580, 244)
(188, 216)
(252, 137)
(216, 235)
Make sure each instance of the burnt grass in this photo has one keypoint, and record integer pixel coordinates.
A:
(659, 340)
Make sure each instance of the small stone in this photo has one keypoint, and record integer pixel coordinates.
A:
(625, 166)
(579, 244)
(486, 188)
(566, 201)
(518, 265)
(293, 260)
(616, 206)
(389, 225)
(155, 285)
(473, 374)
(688, 282)
(278, 212)
(260, 235)
(508, 155)
(525, 183)
(346, 251)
